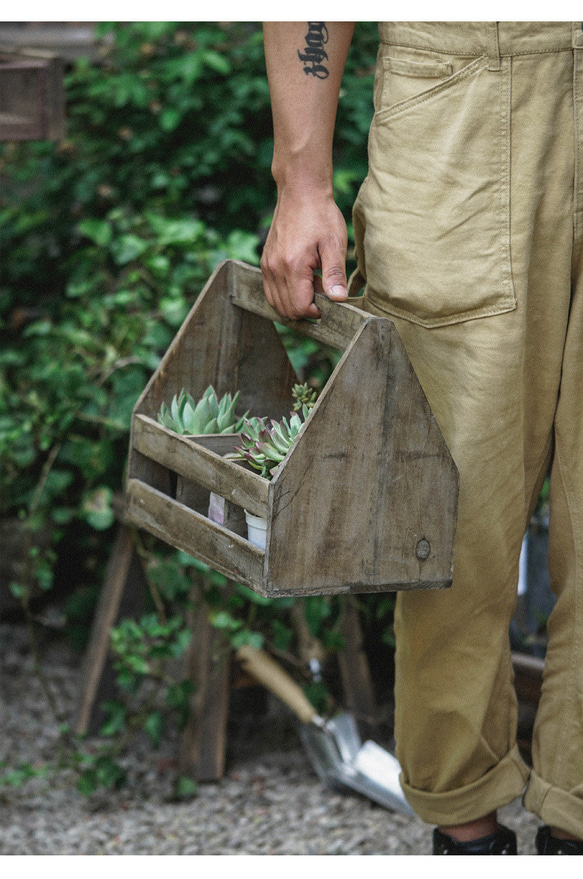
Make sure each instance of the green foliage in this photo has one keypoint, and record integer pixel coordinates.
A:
(70, 378)
(107, 237)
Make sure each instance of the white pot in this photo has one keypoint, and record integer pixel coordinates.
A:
(256, 529)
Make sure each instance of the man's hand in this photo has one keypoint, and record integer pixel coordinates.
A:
(308, 234)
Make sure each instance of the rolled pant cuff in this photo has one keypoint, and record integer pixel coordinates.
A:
(555, 807)
(500, 786)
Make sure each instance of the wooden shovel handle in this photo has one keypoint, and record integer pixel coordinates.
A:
(268, 672)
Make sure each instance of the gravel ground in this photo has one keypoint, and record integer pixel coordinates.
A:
(269, 802)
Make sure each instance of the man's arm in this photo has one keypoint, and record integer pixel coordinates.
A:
(305, 62)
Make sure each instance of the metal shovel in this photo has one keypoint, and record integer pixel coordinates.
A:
(333, 746)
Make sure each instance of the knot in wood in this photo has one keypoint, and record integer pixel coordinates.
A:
(423, 549)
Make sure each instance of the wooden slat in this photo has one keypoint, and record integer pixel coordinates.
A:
(201, 465)
(336, 327)
(124, 589)
(187, 530)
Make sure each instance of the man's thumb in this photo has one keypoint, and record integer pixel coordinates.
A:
(334, 282)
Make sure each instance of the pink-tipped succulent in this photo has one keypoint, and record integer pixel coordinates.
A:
(264, 446)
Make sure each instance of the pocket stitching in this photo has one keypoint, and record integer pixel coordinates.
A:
(382, 115)
(505, 305)
(421, 69)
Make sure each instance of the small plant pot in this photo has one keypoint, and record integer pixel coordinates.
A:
(256, 529)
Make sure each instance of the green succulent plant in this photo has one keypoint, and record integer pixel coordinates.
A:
(303, 395)
(209, 415)
(264, 446)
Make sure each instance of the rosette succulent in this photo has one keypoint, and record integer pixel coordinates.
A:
(265, 445)
(209, 415)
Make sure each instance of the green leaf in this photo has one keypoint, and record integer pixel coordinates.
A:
(128, 248)
(185, 788)
(255, 639)
(223, 620)
(18, 590)
(170, 119)
(217, 62)
(109, 773)
(87, 783)
(99, 231)
(97, 508)
(116, 718)
(154, 726)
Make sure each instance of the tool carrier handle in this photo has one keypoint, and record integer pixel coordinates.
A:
(337, 327)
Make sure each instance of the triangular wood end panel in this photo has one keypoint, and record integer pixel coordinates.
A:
(367, 497)
(203, 351)
(225, 346)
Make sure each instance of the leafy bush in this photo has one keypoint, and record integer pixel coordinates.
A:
(107, 237)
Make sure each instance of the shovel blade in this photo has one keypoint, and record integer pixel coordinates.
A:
(345, 732)
(323, 752)
(381, 771)
(342, 762)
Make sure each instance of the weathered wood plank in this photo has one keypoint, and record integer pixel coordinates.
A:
(195, 462)
(124, 589)
(336, 327)
(354, 669)
(208, 665)
(204, 351)
(193, 533)
(32, 104)
(368, 491)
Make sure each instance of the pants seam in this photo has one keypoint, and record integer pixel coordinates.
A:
(472, 52)
(575, 529)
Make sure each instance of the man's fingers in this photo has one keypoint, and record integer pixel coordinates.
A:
(289, 292)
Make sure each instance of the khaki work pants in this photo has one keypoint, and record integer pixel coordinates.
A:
(468, 229)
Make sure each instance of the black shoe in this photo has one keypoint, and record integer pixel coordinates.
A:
(547, 844)
(501, 842)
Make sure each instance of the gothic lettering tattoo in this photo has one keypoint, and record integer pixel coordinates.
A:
(314, 53)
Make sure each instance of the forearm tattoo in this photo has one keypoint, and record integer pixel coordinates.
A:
(314, 54)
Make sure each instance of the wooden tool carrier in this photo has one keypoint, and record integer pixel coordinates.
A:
(366, 499)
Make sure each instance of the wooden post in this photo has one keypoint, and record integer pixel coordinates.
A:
(355, 671)
(208, 666)
(122, 596)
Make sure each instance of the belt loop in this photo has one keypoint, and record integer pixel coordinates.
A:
(578, 34)
(493, 45)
